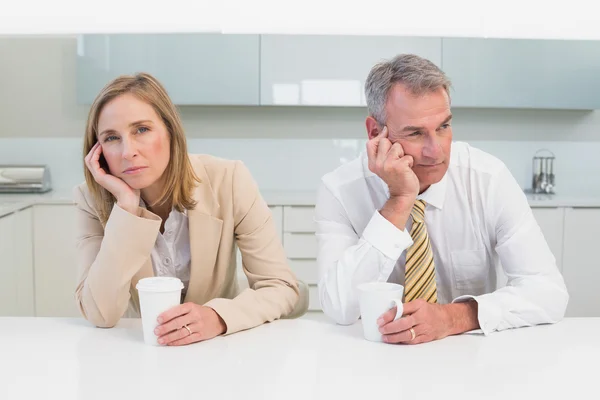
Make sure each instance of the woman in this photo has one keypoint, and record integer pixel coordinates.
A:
(147, 208)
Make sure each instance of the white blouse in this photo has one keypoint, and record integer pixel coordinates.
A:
(171, 252)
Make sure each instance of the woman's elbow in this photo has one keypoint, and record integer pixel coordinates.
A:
(99, 318)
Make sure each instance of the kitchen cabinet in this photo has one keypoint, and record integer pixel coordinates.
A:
(55, 260)
(551, 222)
(523, 73)
(329, 70)
(8, 292)
(296, 231)
(16, 265)
(581, 268)
(195, 68)
(38, 269)
(300, 244)
(23, 248)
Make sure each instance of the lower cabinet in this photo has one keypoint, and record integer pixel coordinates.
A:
(551, 222)
(55, 260)
(581, 268)
(16, 265)
(38, 266)
(300, 244)
(569, 233)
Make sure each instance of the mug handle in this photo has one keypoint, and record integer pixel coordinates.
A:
(399, 308)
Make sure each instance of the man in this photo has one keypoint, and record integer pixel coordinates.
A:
(440, 217)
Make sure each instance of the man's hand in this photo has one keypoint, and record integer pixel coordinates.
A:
(429, 321)
(389, 162)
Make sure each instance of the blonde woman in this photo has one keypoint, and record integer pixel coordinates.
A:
(148, 208)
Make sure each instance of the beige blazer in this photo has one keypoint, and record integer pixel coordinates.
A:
(230, 212)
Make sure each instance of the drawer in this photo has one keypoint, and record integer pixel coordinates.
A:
(313, 301)
(300, 245)
(305, 270)
(299, 219)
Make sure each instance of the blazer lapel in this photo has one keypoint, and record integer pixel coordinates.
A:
(205, 235)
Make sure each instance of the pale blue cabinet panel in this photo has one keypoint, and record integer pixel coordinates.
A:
(329, 70)
(196, 69)
(512, 73)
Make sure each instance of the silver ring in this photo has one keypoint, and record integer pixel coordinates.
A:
(188, 329)
(413, 334)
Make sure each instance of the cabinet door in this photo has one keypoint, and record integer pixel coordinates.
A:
(523, 73)
(329, 70)
(55, 260)
(551, 222)
(23, 247)
(16, 265)
(196, 69)
(581, 267)
(300, 244)
(8, 275)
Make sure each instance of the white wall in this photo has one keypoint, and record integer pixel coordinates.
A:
(288, 148)
(298, 164)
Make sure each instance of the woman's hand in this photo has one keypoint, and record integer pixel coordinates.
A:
(203, 322)
(127, 198)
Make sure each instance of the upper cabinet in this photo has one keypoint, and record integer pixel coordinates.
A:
(511, 73)
(196, 69)
(328, 70)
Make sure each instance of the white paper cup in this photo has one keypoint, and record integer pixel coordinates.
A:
(157, 295)
(375, 298)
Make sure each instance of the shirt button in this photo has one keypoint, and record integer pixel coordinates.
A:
(169, 233)
(167, 261)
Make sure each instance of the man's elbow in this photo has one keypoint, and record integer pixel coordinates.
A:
(339, 314)
(560, 303)
(555, 303)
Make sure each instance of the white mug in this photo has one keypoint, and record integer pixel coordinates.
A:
(375, 298)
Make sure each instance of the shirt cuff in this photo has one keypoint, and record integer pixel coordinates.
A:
(386, 237)
(488, 314)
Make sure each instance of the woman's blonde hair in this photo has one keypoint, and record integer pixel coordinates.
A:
(179, 175)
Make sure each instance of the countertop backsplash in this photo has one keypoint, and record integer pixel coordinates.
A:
(296, 165)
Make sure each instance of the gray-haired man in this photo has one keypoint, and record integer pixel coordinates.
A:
(439, 217)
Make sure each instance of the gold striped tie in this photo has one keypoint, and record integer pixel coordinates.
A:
(420, 268)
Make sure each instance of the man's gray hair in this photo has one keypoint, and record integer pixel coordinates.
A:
(417, 74)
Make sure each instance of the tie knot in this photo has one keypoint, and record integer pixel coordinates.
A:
(418, 211)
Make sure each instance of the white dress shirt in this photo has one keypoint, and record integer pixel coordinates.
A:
(171, 254)
(486, 242)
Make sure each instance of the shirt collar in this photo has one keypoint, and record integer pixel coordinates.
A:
(434, 195)
(143, 205)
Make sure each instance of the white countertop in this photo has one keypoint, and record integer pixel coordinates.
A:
(308, 358)
(11, 202)
(14, 202)
(564, 200)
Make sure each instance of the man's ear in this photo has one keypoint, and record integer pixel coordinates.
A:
(373, 127)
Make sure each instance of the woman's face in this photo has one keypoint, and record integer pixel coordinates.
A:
(135, 141)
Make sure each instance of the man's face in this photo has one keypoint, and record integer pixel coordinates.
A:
(421, 124)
